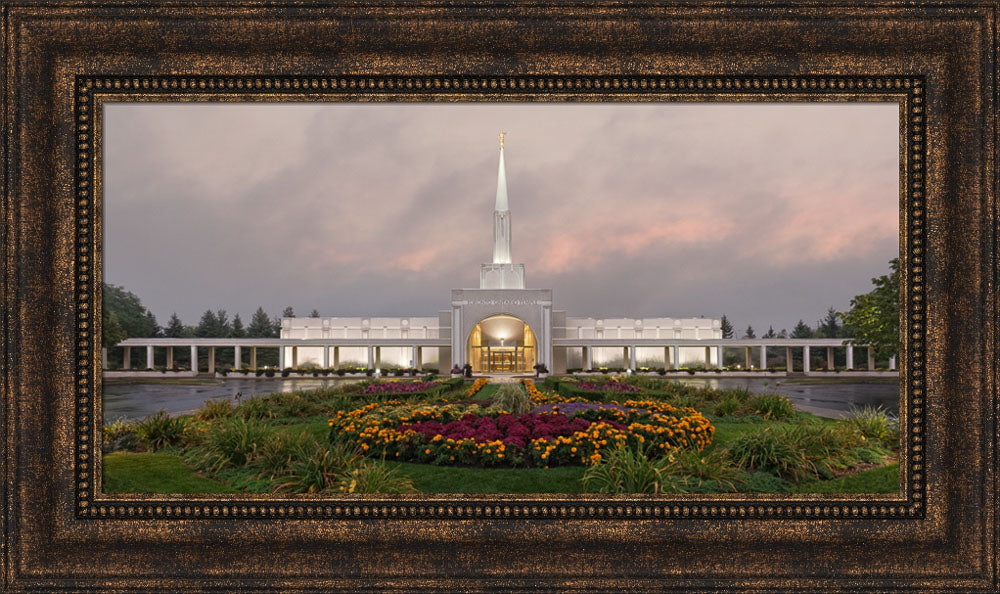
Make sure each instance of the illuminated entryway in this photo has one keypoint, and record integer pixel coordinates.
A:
(502, 344)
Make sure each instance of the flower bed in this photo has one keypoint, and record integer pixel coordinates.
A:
(475, 387)
(397, 387)
(470, 435)
(609, 386)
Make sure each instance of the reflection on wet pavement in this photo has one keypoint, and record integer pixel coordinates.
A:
(133, 401)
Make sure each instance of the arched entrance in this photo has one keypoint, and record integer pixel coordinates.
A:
(502, 344)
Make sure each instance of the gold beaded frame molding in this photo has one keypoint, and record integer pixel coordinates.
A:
(64, 60)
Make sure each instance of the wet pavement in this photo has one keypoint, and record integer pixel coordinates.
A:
(135, 400)
(823, 398)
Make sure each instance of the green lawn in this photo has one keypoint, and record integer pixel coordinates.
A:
(155, 473)
(444, 479)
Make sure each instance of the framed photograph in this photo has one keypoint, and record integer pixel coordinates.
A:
(500, 297)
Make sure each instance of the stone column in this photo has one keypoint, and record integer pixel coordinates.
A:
(850, 356)
(708, 357)
(378, 357)
(631, 360)
(237, 357)
(194, 358)
(871, 359)
(414, 357)
(149, 356)
(336, 357)
(677, 356)
(371, 357)
(211, 359)
(326, 356)
(789, 365)
(295, 357)
(625, 357)
(170, 357)
(718, 356)
(281, 357)
(829, 358)
(763, 356)
(418, 361)
(588, 355)
(892, 363)
(805, 359)
(748, 363)
(253, 358)
(104, 358)
(666, 355)
(126, 358)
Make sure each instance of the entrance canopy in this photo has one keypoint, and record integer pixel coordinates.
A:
(502, 344)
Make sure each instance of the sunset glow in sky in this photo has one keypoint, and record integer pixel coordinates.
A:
(765, 212)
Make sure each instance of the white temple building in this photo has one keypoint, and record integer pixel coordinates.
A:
(499, 327)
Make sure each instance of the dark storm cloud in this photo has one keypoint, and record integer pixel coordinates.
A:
(766, 212)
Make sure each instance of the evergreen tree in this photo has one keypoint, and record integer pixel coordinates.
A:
(222, 327)
(260, 325)
(175, 329)
(276, 327)
(208, 326)
(769, 333)
(314, 313)
(783, 333)
(874, 316)
(749, 333)
(237, 330)
(830, 327)
(288, 312)
(155, 331)
(727, 327)
(802, 330)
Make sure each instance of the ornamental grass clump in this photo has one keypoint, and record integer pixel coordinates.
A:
(875, 423)
(256, 408)
(727, 407)
(374, 476)
(234, 442)
(626, 470)
(694, 471)
(214, 409)
(773, 452)
(120, 435)
(773, 407)
(316, 468)
(160, 430)
(511, 398)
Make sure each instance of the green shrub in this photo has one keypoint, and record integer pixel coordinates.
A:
(275, 455)
(773, 407)
(374, 476)
(120, 435)
(626, 470)
(512, 398)
(214, 409)
(771, 451)
(875, 423)
(160, 430)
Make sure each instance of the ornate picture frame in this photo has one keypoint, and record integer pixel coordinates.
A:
(62, 60)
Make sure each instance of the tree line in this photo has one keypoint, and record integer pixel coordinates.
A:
(873, 319)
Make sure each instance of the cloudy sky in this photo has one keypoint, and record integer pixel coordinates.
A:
(765, 212)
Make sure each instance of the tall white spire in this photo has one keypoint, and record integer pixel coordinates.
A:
(501, 181)
(501, 216)
(501, 274)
